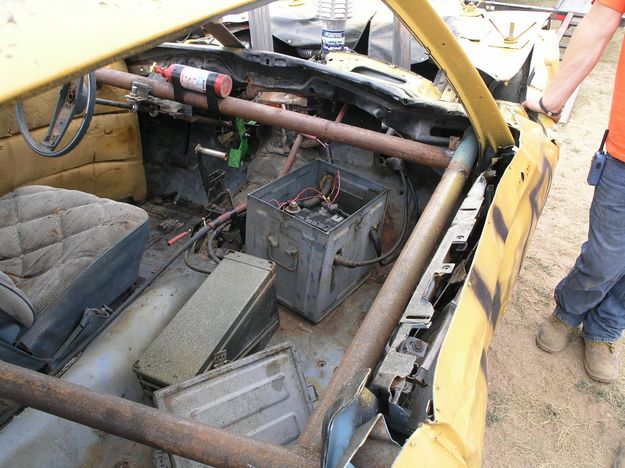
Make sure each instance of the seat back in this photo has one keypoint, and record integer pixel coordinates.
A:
(62, 252)
(107, 163)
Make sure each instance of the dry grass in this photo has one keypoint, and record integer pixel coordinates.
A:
(614, 395)
(547, 432)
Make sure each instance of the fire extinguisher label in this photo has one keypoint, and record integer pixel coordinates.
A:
(195, 79)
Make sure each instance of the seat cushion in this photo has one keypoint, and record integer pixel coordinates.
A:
(55, 241)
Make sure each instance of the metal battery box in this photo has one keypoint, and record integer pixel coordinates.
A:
(233, 311)
(304, 245)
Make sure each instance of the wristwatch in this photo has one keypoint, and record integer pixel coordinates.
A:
(547, 111)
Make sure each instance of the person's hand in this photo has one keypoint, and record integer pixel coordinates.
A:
(533, 105)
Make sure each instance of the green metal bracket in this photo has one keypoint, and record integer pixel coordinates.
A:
(235, 155)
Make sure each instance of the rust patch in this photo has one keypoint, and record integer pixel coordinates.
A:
(390, 231)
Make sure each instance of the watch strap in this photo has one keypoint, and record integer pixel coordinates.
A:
(547, 111)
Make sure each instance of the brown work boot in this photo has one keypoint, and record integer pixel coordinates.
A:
(600, 361)
(553, 334)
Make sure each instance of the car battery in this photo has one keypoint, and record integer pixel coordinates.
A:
(232, 312)
(304, 240)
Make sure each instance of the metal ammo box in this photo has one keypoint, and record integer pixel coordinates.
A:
(263, 396)
(304, 245)
(232, 312)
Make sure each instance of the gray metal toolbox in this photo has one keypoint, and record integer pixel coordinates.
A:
(233, 311)
(304, 245)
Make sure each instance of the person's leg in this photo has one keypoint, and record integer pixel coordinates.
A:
(606, 322)
(601, 262)
(599, 266)
(602, 327)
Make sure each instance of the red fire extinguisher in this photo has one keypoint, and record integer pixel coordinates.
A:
(197, 79)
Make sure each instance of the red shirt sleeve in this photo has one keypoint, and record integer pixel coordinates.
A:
(618, 5)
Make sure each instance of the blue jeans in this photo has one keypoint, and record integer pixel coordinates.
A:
(593, 293)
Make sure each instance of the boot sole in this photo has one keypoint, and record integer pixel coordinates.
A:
(596, 378)
(548, 349)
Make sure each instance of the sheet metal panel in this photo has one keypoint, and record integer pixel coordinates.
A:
(263, 396)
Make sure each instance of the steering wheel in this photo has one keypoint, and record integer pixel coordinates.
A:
(75, 97)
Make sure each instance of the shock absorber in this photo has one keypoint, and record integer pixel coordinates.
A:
(334, 14)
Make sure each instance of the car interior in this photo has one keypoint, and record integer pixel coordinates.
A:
(273, 240)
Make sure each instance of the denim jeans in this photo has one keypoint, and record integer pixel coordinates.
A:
(593, 293)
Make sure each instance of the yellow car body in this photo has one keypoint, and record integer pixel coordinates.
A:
(454, 435)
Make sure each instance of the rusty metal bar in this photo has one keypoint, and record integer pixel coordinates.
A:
(140, 423)
(392, 299)
(300, 138)
(292, 154)
(421, 153)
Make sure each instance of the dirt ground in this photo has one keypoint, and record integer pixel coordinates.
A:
(543, 410)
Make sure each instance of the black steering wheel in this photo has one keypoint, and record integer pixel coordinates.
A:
(75, 97)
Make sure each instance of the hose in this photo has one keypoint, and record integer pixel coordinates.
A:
(340, 260)
(211, 251)
(325, 185)
(416, 200)
(194, 267)
(375, 240)
(211, 240)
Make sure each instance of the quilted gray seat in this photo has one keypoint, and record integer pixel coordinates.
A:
(64, 250)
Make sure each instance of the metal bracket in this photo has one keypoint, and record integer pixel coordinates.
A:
(272, 243)
(401, 44)
(140, 96)
(220, 358)
(161, 459)
(139, 91)
(214, 185)
(313, 396)
(420, 310)
(414, 346)
(235, 155)
(220, 32)
(408, 358)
